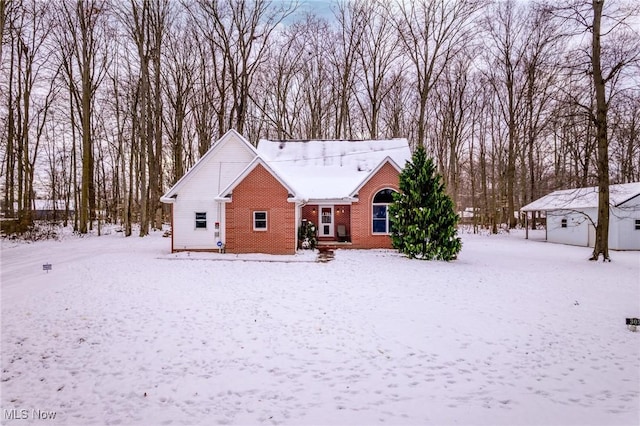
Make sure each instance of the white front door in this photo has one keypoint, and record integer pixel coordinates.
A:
(325, 220)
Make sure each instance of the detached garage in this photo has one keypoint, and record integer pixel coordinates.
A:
(572, 214)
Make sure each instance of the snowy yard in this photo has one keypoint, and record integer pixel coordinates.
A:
(122, 332)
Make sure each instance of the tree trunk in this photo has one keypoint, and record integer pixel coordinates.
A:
(601, 246)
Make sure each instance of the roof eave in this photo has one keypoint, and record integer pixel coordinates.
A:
(628, 199)
(339, 200)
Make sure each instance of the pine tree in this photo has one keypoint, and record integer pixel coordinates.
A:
(422, 215)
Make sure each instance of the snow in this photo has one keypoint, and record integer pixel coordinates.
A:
(582, 198)
(330, 169)
(123, 332)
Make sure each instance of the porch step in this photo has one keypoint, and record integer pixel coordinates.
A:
(325, 253)
(333, 245)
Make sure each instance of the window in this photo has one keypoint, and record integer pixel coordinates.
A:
(380, 221)
(637, 224)
(563, 223)
(260, 221)
(201, 220)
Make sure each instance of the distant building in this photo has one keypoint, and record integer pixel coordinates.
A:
(49, 209)
(572, 213)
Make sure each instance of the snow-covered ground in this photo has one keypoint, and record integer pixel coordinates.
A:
(123, 332)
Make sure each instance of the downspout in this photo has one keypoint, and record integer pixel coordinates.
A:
(172, 229)
(223, 225)
(297, 224)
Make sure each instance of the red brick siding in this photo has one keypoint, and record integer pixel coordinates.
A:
(339, 218)
(309, 213)
(260, 191)
(361, 212)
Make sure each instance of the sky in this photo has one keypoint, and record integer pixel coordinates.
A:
(318, 7)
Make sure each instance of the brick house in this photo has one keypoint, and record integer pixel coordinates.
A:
(252, 200)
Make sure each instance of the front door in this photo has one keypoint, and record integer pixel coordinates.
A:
(326, 221)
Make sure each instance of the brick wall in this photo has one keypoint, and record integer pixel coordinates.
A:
(310, 212)
(340, 217)
(361, 212)
(260, 191)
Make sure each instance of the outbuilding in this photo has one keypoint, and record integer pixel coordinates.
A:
(571, 216)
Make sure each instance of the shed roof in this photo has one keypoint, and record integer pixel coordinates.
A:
(331, 169)
(583, 198)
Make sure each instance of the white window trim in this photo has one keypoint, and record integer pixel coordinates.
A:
(266, 220)
(387, 225)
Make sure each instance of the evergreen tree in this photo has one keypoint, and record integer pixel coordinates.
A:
(422, 215)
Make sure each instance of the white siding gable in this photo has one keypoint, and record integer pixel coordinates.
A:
(196, 193)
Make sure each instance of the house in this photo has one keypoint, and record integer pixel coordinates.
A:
(253, 200)
(572, 213)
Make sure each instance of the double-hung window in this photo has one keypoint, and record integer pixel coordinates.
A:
(259, 221)
(201, 220)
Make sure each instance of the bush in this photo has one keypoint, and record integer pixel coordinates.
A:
(307, 235)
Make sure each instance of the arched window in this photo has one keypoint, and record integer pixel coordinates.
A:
(381, 201)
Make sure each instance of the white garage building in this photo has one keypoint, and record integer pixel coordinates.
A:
(572, 214)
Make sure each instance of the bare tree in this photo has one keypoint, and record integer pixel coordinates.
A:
(82, 37)
(146, 22)
(508, 39)
(178, 88)
(379, 63)
(541, 68)
(242, 33)
(351, 17)
(5, 7)
(432, 32)
(31, 92)
(452, 105)
(614, 47)
(315, 39)
(625, 137)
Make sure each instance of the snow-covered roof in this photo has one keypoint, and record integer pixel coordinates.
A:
(331, 169)
(583, 198)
